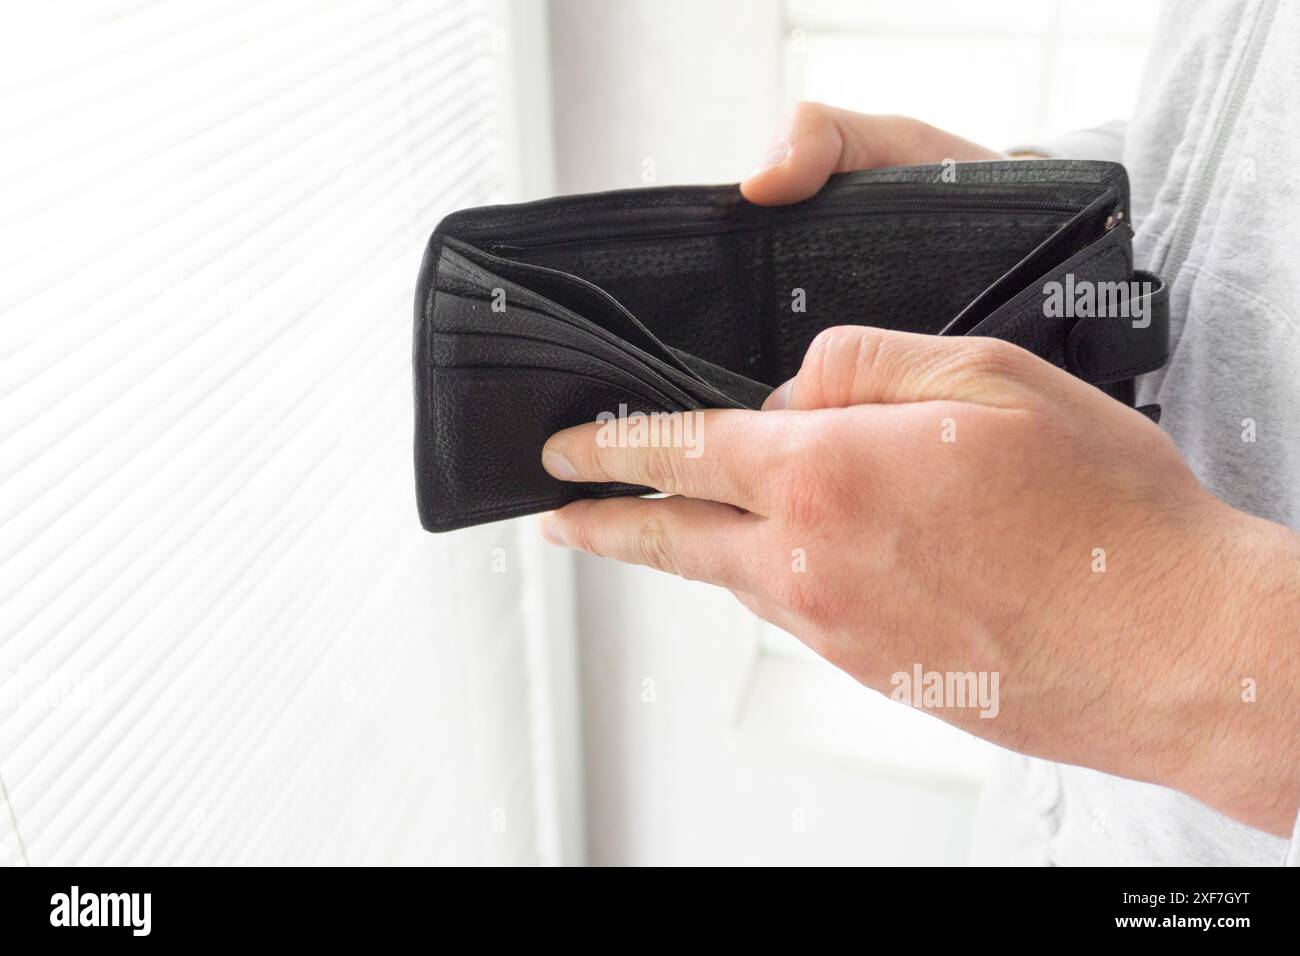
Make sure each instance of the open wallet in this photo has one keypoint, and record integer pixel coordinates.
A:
(534, 317)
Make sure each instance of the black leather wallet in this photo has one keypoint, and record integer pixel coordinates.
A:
(534, 317)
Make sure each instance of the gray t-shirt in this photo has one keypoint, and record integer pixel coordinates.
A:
(1213, 154)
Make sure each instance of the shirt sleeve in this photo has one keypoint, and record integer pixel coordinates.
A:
(1105, 142)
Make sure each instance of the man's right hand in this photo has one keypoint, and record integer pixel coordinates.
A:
(817, 140)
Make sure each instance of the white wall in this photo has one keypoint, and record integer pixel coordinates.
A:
(692, 85)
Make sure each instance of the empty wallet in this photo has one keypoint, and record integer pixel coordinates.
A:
(533, 317)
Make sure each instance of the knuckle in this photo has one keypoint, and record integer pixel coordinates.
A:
(803, 473)
(661, 470)
(806, 501)
(805, 484)
(590, 460)
(581, 531)
(809, 109)
(840, 357)
(900, 124)
(838, 341)
(652, 546)
(988, 356)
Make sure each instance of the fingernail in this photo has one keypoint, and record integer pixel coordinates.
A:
(558, 466)
(781, 397)
(550, 529)
(775, 157)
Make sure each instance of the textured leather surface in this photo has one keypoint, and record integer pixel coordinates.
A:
(535, 317)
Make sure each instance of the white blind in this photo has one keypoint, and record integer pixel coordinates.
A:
(223, 637)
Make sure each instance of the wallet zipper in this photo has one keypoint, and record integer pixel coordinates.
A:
(847, 207)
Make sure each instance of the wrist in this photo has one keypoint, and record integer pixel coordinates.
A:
(1230, 712)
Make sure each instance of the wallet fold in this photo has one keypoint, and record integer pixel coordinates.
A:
(534, 317)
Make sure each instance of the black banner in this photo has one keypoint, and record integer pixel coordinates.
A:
(135, 907)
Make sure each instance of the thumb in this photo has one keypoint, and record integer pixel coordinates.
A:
(859, 365)
(819, 140)
(815, 142)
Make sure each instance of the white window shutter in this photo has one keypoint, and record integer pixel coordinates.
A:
(223, 636)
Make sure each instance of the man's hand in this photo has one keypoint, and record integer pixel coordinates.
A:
(962, 505)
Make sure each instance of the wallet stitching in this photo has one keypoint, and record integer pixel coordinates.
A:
(945, 218)
(661, 399)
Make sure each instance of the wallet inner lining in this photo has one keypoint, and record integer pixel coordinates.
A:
(751, 300)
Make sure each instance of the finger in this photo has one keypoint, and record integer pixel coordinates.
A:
(699, 540)
(858, 365)
(717, 454)
(818, 140)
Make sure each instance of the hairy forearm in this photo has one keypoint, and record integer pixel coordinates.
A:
(1241, 614)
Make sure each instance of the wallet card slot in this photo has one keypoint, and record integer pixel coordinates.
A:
(461, 350)
(558, 334)
(573, 293)
(678, 372)
(744, 390)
